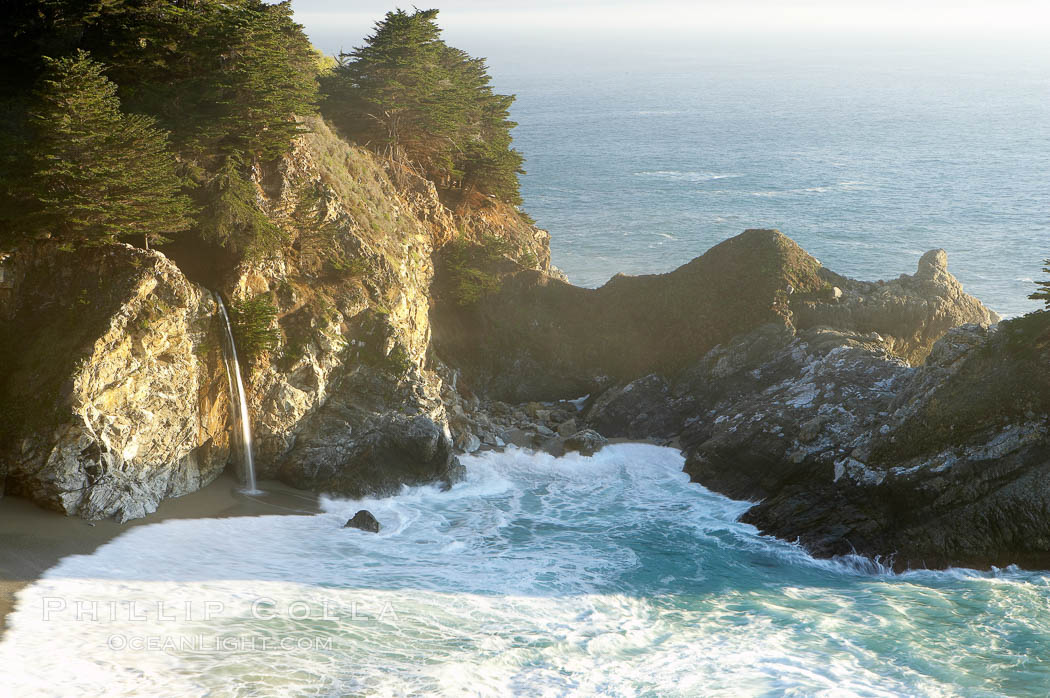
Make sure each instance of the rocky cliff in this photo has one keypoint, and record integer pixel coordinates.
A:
(848, 449)
(542, 338)
(112, 375)
(113, 388)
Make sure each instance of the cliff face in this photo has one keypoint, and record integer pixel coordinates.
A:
(350, 384)
(113, 387)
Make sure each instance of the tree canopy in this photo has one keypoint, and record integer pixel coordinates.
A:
(408, 94)
(226, 78)
(97, 174)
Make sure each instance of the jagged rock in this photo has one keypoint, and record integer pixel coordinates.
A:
(641, 409)
(363, 520)
(910, 313)
(467, 442)
(586, 442)
(849, 449)
(567, 428)
(111, 379)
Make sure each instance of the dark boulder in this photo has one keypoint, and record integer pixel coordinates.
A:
(376, 459)
(586, 442)
(364, 521)
(642, 409)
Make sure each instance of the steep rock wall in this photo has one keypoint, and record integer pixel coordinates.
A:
(112, 382)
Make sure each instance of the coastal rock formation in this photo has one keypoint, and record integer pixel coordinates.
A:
(909, 313)
(113, 389)
(848, 449)
(350, 403)
(539, 338)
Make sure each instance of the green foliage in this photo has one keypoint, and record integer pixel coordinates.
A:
(95, 173)
(225, 77)
(398, 361)
(408, 94)
(265, 73)
(254, 329)
(469, 266)
(230, 217)
(528, 259)
(1043, 294)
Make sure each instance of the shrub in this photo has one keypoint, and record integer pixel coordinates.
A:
(254, 329)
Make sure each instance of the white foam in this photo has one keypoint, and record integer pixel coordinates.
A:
(603, 575)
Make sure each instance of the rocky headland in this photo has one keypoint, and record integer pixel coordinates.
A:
(894, 418)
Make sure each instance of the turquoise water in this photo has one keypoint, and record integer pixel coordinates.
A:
(866, 155)
(610, 575)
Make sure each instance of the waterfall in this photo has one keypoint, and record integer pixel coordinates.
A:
(242, 426)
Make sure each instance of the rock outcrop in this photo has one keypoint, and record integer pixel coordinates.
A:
(114, 392)
(909, 313)
(114, 355)
(539, 338)
(364, 521)
(112, 376)
(848, 449)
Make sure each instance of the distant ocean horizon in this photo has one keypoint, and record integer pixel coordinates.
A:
(867, 160)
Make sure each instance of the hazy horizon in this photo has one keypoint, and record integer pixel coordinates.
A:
(505, 31)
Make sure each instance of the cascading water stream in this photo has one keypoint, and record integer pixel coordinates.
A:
(242, 427)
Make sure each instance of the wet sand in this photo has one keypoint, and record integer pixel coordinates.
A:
(33, 539)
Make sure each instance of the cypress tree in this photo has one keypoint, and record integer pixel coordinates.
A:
(407, 94)
(1043, 294)
(97, 174)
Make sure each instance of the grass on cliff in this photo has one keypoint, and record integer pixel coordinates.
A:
(469, 266)
(356, 177)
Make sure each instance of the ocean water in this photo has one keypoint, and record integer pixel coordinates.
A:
(868, 155)
(536, 576)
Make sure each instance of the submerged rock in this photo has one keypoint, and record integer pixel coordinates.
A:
(363, 520)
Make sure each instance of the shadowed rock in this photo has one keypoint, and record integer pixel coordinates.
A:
(539, 338)
(364, 521)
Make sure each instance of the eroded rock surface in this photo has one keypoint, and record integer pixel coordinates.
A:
(115, 398)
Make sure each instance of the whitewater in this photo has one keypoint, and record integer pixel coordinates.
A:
(535, 575)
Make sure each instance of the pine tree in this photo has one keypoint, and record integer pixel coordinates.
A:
(230, 217)
(1043, 294)
(97, 174)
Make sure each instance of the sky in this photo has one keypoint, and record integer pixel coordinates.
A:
(342, 23)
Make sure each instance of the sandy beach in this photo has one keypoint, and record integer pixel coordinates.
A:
(34, 539)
